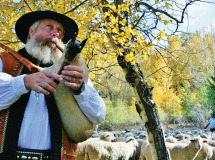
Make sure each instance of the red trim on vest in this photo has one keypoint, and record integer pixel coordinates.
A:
(4, 114)
(69, 150)
(3, 125)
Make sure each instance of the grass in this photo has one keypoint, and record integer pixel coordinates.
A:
(120, 113)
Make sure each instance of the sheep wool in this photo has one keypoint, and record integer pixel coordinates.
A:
(111, 150)
(185, 151)
(105, 136)
(205, 152)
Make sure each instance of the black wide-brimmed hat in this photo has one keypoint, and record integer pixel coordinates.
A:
(23, 24)
(213, 113)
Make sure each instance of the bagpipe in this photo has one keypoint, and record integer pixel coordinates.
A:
(75, 123)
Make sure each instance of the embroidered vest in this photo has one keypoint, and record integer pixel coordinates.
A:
(11, 118)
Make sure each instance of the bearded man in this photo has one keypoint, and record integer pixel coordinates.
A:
(31, 127)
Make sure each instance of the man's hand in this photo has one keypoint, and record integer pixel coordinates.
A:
(73, 76)
(43, 82)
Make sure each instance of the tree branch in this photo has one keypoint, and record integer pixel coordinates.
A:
(28, 5)
(76, 7)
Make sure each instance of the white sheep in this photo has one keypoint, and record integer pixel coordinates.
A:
(205, 152)
(185, 151)
(213, 156)
(105, 136)
(111, 150)
(211, 142)
(171, 139)
(138, 149)
(119, 139)
(145, 151)
(129, 135)
(203, 135)
(180, 137)
(178, 151)
(142, 136)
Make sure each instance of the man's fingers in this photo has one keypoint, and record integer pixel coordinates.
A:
(42, 90)
(52, 86)
(53, 76)
(73, 68)
(74, 86)
(43, 82)
(72, 74)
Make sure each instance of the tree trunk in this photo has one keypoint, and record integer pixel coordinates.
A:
(145, 106)
(147, 110)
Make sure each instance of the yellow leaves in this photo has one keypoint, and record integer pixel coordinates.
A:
(124, 21)
(121, 50)
(113, 20)
(160, 17)
(143, 54)
(130, 58)
(92, 76)
(100, 41)
(95, 11)
(123, 7)
(106, 14)
(161, 34)
(4, 28)
(115, 29)
(43, 4)
(113, 7)
(133, 102)
(129, 35)
(168, 5)
(166, 21)
(129, 32)
(174, 42)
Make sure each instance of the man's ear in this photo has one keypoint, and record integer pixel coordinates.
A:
(30, 32)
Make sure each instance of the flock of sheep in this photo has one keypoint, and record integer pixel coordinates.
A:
(185, 144)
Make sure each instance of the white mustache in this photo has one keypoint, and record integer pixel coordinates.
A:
(55, 40)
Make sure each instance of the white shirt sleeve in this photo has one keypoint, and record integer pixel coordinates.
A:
(11, 88)
(91, 104)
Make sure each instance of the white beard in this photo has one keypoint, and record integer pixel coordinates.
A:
(42, 51)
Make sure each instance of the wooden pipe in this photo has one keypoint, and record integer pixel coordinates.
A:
(31, 67)
(61, 49)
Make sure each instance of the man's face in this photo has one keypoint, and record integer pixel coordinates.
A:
(49, 32)
(43, 40)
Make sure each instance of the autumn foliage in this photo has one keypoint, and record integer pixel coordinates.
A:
(170, 62)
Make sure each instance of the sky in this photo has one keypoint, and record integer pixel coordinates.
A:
(201, 15)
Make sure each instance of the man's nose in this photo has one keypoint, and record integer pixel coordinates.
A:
(55, 33)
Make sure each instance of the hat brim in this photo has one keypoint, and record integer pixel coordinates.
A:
(23, 24)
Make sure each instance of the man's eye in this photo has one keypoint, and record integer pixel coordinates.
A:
(49, 26)
(60, 30)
